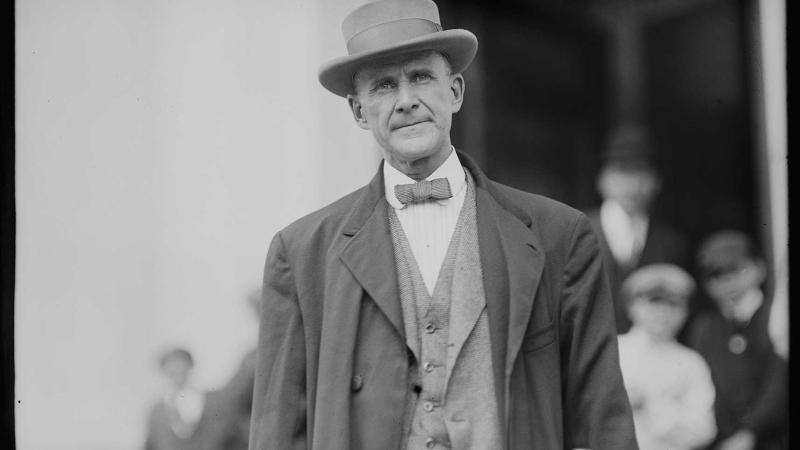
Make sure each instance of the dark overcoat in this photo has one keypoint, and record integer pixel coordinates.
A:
(332, 365)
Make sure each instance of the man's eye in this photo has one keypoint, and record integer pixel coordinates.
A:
(421, 77)
(385, 84)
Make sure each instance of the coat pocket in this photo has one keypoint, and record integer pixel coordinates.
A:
(539, 339)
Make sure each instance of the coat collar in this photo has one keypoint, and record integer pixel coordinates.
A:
(511, 254)
(373, 193)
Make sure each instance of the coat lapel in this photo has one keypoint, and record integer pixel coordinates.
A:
(512, 260)
(370, 254)
(511, 257)
(525, 264)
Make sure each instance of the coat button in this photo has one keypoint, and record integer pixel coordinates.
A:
(427, 406)
(428, 367)
(356, 383)
(430, 442)
(430, 328)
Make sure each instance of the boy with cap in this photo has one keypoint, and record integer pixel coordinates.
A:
(669, 385)
(749, 377)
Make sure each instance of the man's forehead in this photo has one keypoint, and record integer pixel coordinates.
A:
(426, 58)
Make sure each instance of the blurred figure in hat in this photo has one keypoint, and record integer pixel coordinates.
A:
(749, 377)
(186, 417)
(433, 308)
(628, 182)
(669, 385)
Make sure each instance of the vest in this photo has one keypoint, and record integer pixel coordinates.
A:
(451, 400)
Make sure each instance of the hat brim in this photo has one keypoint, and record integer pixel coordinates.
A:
(458, 46)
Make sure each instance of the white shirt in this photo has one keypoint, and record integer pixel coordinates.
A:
(188, 403)
(624, 234)
(671, 392)
(429, 225)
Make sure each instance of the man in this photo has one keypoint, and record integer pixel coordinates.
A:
(432, 308)
(186, 418)
(630, 237)
(751, 380)
(669, 384)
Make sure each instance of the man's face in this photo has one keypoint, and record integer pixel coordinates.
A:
(177, 371)
(632, 189)
(408, 104)
(661, 319)
(728, 285)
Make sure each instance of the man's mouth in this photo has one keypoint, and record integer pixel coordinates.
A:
(410, 124)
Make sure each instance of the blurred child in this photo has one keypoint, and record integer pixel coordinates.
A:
(669, 385)
(750, 379)
(186, 418)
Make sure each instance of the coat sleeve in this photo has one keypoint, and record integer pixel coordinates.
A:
(279, 396)
(597, 413)
(769, 409)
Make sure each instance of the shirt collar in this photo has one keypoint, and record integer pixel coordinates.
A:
(613, 211)
(616, 220)
(450, 169)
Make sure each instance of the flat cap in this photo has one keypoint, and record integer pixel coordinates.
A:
(662, 281)
(629, 147)
(724, 250)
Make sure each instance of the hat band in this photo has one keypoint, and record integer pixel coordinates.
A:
(390, 33)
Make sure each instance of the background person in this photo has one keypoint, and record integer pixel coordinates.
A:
(239, 389)
(186, 418)
(750, 379)
(631, 235)
(669, 385)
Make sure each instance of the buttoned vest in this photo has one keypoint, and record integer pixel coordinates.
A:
(451, 399)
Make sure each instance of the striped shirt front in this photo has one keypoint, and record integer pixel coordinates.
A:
(429, 225)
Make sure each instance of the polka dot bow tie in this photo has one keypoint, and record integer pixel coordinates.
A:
(436, 189)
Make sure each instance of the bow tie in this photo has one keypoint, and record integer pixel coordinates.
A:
(437, 189)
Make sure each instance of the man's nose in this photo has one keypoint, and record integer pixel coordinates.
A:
(407, 99)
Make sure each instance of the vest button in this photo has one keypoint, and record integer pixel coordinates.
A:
(430, 442)
(427, 406)
(430, 328)
(356, 383)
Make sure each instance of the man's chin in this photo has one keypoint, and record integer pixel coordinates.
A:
(412, 151)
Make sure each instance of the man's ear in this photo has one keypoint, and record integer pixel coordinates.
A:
(358, 112)
(457, 87)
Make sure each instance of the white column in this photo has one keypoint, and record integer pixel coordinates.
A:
(160, 145)
(773, 139)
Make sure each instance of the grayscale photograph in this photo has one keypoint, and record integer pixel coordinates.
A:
(396, 224)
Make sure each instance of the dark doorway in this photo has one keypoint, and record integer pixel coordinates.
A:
(541, 98)
(699, 108)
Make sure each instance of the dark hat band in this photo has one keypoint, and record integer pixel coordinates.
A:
(389, 33)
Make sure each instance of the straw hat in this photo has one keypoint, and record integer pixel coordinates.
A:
(388, 27)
